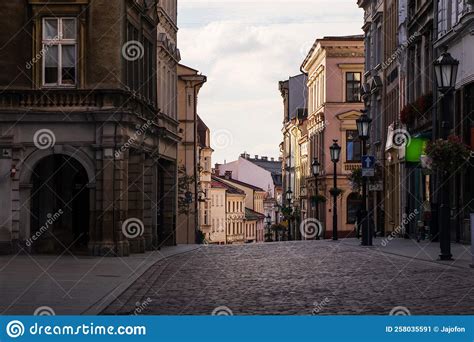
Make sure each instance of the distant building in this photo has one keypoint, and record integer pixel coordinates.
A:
(294, 92)
(263, 173)
(254, 228)
(204, 180)
(218, 197)
(235, 212)
(254, 205)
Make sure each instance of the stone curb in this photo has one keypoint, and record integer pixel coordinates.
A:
(100, 305)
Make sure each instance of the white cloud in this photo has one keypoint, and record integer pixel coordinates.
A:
(245, 48)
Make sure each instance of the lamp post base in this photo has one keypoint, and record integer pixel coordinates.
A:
(445, 257)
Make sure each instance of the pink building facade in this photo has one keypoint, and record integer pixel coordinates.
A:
(334, 68)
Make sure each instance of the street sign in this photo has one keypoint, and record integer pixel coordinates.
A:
(378, 186)
(368, 166)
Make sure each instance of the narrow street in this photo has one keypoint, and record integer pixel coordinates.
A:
(297, 278)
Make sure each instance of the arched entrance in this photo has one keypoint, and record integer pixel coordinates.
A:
(59, 215)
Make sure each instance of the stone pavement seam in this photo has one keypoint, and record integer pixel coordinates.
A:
(102, 304)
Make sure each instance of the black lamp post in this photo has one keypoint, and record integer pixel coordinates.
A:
(335, 150)
(289, 197)
(315, 167)
(363, 128)
(268, 220)
(446, 70)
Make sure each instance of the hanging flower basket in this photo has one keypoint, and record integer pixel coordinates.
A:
(447, 155)
(335, 192)
(416, 110)
(315, 199)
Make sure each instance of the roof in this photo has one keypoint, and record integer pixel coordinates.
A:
(202, 130)
(271, 166)
(351, 37)
(217, 183)
(253, 187)
(252, 215)
(357, 37)
(277, 179)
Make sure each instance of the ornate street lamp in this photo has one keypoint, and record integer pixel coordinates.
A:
(268, 221)
(363, 128)
(289, 197)
(335, 151)
(363, 125)
(446, 71)
(315, 167)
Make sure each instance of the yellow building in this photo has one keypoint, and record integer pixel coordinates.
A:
(194, 154)
(294, 147)
(254, 207)
(234, 211)
(217, 233)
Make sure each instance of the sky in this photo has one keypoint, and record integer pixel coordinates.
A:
(245, 48)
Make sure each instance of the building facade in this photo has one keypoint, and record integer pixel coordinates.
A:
(218, 231)
(254, 206)
(454, 30)
(263, 173)
(88, 147)
(193, 152)
(334, 68)
(294, 93)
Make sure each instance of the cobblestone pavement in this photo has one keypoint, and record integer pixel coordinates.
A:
(302, 278)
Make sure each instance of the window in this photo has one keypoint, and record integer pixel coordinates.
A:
(59, 51)
(353, 85)
(354, 203)
(352, 147)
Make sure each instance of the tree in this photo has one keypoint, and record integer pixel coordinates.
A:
(185, 195)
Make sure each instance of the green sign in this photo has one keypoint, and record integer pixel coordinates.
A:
(415, 149)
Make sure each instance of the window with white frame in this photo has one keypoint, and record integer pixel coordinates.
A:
(59, 51)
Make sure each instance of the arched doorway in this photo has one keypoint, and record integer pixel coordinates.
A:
(59, 206)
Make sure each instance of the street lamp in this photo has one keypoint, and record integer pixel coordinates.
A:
(315, 167)
(268, 221)
(363, 128)
(335, 150)
(446, 70)
(289, 197)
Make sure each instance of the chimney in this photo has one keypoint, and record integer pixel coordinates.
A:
(256, 156)
(265, 158)
(216, 169)
(228, 175)
(273, 159)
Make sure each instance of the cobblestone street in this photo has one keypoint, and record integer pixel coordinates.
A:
(303, 278)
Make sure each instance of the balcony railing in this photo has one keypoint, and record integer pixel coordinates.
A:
(74, 99)
(352, 166)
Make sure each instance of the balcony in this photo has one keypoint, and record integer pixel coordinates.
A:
(76, 100)
(352, 166)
